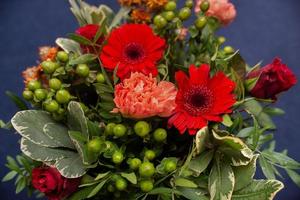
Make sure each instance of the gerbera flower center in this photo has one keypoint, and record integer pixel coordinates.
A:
(134, 53)
(198, 100)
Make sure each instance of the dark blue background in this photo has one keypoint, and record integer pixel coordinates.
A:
(262, 30)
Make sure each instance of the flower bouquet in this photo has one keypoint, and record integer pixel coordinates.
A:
(140, 104)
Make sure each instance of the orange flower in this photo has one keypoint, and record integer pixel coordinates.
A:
(130, 2)
(140, 16)
(141, 96)
(31, 73)
(156, 4)
(47, 52)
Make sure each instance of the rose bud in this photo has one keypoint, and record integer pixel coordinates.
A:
(49, 181)
(271, 80)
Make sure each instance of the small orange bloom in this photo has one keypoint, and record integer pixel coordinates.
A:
(156, 4)
(47, 52)
(140, 16)
(31, 73)
(130, 2)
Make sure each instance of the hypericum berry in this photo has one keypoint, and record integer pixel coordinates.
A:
(189, 3)
(62, 56)
(51, 106)
(170, 6)
(134, 163)
(117, 157)
(55, 84)
(169, 15)
(146, 185)
(62, 96)
(160, 135)
(150, 154)
(170, 166)
(200, 22)
(204, 6)
(160, 22)
(100, 78)
(119, 130)
(95, 145)
(40, 94)
(185, 13)
(228, 50)
(142, 128)
(49, 67)
(109, 129)
(28, 95)
(121, 184)
(146, 169)
(83, 70)
(34, 85)
(221, 40)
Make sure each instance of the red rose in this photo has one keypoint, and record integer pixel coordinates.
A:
(49, 181)
(272, 80)
(89, 31)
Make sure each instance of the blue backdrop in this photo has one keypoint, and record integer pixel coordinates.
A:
(262, 30)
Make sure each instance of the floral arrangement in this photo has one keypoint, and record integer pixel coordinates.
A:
(141, 105)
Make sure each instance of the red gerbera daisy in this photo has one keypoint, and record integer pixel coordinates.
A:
(201, 98)
(133, 48)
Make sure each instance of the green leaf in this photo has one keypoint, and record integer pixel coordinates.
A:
(227, 120)
(259, 189)
(192, 194)
(281, 159)
(30, 124)
(201, 162)
(294, 176)
(239, 65)
(273, 111)
(183, 182)
(83, 59)
(81, 194)
(77, 120)
(97, 189)
(244, 174)
(266, 167)
(17, 100)
(123, 12)
(9, 176)
(94, 128)
(68, 45)
(221, 180)
(80, 39)
(201, 139)
(131, 177)
(246, 132)
(102, 88)
(101, 176)
(161, 190)
(21, 184)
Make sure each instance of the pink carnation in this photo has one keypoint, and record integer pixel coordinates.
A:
(223, 10)
(141, 96)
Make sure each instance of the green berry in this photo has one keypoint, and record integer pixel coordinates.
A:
(228, 50)
(55, 84)
(200, 22)
(34, 85)
(170, 6)
(160, 22)
(189, 3)
(49, 67)
(185, 13)
(119, 130)
(204, 6)
(109, 129)
(135, 163)
(121, 184)
(146, 185)
(142, 128)
(100, 78)
(62, 56)
(40, 94)
(28, 95)
(169, 15)
(63, 96)
(146, 169)
(51, 106)
(83, 70)
(117, 157)
(160, 135)
(221, 40)
(95, 145)
(150, 154)
(170, 166)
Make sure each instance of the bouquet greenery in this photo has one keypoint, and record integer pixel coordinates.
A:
(140, 105)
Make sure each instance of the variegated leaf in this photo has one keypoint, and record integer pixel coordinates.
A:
(77, 120)
(201, 139)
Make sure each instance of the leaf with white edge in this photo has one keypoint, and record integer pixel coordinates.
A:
(77, 120)
(201, 139)
(183, 182)
(244, 174)
(201, 162)
(59, 133)
(30, 124)
(234, 148)
(71, 167)
(259, 189)
(68, 45)
(221, 180)
(131, 177)
(193, 193)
